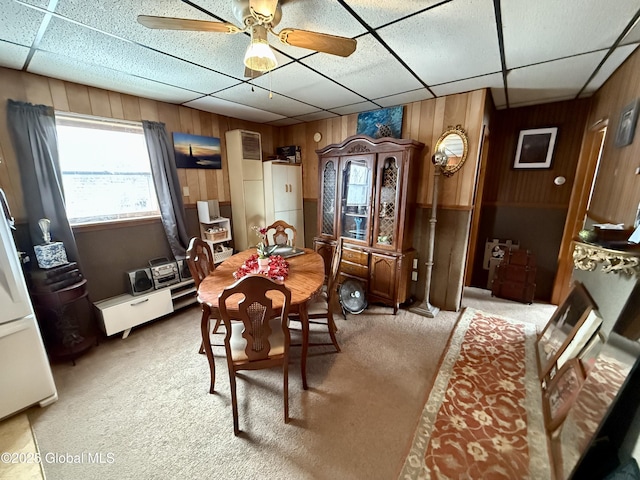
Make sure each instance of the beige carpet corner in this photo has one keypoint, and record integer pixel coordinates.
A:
(143, 402)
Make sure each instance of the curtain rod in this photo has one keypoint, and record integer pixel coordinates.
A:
(80, 117)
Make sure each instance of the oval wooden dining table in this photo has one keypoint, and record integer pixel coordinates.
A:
(305, 280)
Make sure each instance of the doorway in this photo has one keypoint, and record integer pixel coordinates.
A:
(583, 185)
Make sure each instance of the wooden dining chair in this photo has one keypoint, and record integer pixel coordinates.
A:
(200, 260)
(320, 309)
(258, 337)
(283, 233)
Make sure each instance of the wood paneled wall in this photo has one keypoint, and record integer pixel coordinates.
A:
(204, 184)
(525, 205)
(423, 121)
(617, 188)
(505, 185)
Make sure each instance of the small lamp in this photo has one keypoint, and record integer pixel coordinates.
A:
(259, 56)
(440, 158)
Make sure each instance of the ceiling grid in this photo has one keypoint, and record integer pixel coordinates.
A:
(524, 52)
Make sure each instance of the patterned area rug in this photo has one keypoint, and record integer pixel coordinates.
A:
(483, 418)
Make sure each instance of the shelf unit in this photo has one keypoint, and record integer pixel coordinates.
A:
(123, 312)
(214, 229)
(183, 294)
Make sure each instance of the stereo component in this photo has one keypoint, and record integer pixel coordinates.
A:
(183, 270)
(163, 272)
(139, 281)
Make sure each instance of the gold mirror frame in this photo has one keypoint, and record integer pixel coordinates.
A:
(449, 144)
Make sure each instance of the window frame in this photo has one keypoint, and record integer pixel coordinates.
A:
(71, 119)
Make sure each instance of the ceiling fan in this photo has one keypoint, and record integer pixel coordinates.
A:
(258, 17)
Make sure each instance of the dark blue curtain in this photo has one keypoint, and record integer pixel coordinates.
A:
(165, 179)
(35, 140)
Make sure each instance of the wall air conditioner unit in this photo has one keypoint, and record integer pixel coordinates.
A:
(251, 145)
(244, 157)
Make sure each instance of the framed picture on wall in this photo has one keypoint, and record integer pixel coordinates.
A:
(196, 151)
(385, 122)
(627, 124)
(535, 148)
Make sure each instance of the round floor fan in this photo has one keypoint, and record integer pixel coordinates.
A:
(352, 296)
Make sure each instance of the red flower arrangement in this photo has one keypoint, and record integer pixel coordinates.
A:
(278, 268)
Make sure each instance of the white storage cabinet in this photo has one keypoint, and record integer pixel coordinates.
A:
(283, 195)
(244, 156)
(123, 312)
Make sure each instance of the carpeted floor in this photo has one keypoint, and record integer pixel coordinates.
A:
(143, 402)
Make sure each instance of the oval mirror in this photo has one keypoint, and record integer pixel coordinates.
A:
(451, 150)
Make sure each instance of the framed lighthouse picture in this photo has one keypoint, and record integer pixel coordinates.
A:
(196, 151)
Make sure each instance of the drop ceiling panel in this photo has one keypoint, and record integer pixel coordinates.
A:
(217, 51)
(312, 117)
(259, 98)
(451, 46)
(549, 82)
(553, 29)
(355, 108)
(58, 66)
(377, 13)
(85, 45)
(454, 41)
(403, 98)
(371, 70)
(230, 109)
(486, 81)
(12, 56)
(19, 24)
(297, 81)
(618, 56)
(633, 36)
(285, 122)
(499, 98)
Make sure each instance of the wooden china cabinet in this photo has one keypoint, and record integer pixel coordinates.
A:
(367, 194)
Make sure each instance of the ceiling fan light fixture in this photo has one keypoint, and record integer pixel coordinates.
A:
(259, 55)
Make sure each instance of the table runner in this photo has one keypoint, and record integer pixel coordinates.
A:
(483, 417)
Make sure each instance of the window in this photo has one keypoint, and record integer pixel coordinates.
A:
(106, 173)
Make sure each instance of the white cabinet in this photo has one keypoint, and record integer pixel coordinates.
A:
(283, 195)
(244, 156)
(123, 312)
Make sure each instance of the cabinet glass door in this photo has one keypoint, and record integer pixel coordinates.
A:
(387, 214)
(356, 199)
(329, 172)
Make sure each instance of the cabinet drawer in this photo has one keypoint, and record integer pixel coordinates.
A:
(126, 311)
(355, 256)
(354, 269)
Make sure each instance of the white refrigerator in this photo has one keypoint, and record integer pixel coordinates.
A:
(25, 374)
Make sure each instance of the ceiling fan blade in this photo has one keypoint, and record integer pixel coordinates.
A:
(264, 8)
(320, 42)
(248, 73)
(168, 23)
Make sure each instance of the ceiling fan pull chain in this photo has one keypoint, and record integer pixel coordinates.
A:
(270, 84)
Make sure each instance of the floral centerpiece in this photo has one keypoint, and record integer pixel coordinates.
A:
(264, 250)
(277, 269)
